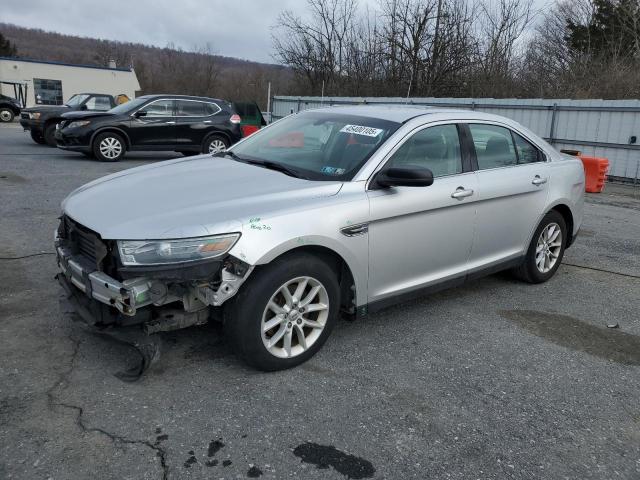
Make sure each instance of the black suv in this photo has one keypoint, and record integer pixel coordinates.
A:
(9, 108)
(41, 120)
(189, 125)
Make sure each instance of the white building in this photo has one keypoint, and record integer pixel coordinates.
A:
(53, 83)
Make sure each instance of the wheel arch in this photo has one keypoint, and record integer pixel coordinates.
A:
(564, 210)
(208, 135)
(344, 270)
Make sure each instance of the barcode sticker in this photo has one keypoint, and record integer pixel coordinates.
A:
(361, 130)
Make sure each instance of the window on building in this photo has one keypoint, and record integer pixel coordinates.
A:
(47, 92)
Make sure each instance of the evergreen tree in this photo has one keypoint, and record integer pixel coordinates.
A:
(7, 49)
(613, 29)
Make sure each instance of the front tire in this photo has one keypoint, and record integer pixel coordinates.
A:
(50, 135)
(284, 313)
(6, 115)
(109, 147)
(545, 250)
(37, 137)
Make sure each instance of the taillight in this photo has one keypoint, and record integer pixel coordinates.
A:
(235, 118)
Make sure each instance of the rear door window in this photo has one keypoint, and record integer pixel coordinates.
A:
(527, 153)
(187, 108)
(494, 146)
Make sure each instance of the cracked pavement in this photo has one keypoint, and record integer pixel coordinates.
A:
(496, 379)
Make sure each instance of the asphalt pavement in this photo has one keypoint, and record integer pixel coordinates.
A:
(496, 379)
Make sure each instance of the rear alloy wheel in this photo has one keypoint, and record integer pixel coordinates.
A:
(6, 115)
(215, 144)
(545, 250)
(108, 147)
(284, 313)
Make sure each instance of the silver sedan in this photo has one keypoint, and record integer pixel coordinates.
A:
(344, 209)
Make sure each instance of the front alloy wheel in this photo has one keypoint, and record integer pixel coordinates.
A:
(284, 312)
(295, 316)
(109, 147)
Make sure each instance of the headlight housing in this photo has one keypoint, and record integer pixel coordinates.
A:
(167, 252)
(79, 123)
(34, 115)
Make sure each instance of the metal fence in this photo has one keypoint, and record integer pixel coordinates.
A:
(600, 128)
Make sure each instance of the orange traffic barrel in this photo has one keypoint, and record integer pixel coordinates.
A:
(595, 173)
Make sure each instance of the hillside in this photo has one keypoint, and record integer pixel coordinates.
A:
(159, 70)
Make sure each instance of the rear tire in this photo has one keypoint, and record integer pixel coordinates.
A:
(50, 135)
(109, 147)
(37, 137)
(545, 251)
(297, 331)
(214, 144)
(6, 115)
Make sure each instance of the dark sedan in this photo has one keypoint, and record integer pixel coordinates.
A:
(185, 124)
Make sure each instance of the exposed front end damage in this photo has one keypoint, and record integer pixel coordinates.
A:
(132, 304)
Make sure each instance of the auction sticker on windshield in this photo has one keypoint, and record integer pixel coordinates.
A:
(362, 130)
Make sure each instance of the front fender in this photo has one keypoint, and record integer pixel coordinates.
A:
(264, 239)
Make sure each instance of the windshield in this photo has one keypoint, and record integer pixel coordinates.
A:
(127, 106)
(319, 145)
(76, 100)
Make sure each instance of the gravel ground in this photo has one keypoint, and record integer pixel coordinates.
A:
(496, 379)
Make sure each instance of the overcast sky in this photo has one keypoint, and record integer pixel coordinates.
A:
(235, 28)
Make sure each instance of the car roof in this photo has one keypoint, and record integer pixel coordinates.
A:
(404, 113)
(184, 97)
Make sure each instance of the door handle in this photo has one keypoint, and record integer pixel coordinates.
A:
(461, 193)
(170, 123)
(537, 180)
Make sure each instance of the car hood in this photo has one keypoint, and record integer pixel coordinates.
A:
(191, 197)
(81, 114)
(47, 108)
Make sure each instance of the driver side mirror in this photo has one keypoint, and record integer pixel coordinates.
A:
(409, 176)
(140, 113)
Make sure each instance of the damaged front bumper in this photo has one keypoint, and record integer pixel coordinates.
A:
(127, 297)
(132, 309)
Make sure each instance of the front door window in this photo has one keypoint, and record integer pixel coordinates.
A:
(436, 148)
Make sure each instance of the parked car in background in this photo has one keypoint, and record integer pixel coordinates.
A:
(252, 119)
(185, 124)
(41, 120)
(338, 209)
(9, 108)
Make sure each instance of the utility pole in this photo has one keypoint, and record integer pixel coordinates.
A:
(269, 101)
(434, 55)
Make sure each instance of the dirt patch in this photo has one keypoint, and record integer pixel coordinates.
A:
(610, 344)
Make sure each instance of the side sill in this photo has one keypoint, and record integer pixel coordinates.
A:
(378, 305)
